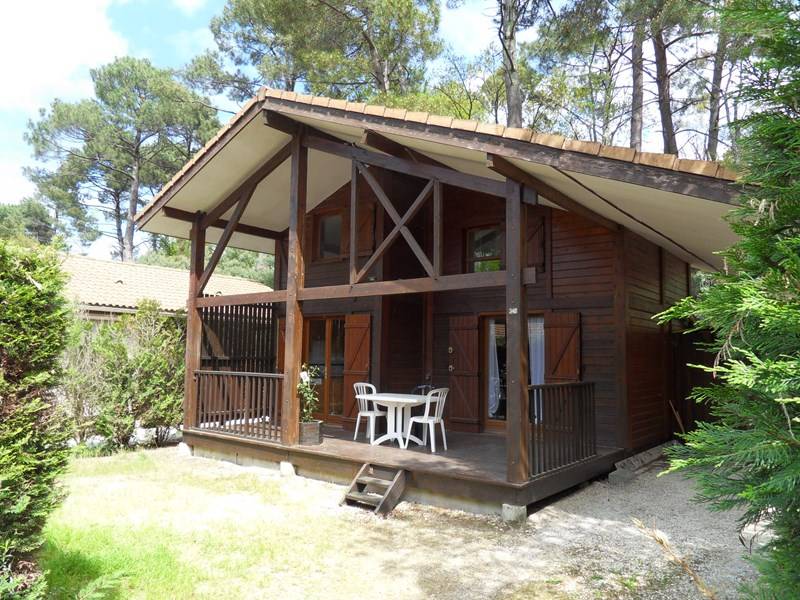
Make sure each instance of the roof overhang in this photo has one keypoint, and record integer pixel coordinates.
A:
(677, 204)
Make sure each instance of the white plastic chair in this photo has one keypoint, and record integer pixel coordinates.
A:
(431, 418)
(362, 389)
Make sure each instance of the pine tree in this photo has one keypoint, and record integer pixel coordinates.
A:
(748, 456)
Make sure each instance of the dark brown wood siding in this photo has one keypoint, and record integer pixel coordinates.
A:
(654, 279)
(582, 268)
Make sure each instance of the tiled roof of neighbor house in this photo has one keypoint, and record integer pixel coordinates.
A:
(624, 154)
(113, 284)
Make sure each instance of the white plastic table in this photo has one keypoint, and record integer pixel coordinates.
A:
(398, 414)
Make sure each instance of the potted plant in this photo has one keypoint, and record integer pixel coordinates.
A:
(310, 428)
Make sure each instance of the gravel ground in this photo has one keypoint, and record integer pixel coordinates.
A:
(581, 545)
(245, 532)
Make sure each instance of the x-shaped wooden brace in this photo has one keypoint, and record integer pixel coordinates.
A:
(400, 225)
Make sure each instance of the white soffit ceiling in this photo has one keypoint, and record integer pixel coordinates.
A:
(692, 228)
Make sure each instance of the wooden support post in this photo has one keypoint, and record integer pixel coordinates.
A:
(194, 322)
(295, 281)
(517, 409)
(438, 249)
(353, 221)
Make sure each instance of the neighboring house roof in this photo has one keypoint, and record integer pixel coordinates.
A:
(676, 203)
(97, 284)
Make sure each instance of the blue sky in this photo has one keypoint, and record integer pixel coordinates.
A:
(72, 36)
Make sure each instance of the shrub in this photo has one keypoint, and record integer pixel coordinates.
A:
(79, 381)
(140, 364)
(33, 322)
(158, 368)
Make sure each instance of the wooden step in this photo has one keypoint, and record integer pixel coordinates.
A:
(365, 498)
(388, 491)
(376, 481)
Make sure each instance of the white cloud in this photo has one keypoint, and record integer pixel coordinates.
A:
(190, 43)
(48, 46)
(189, 7)
(13, 184)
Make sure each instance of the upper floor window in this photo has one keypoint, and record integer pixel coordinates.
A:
(484, 249)
(329, 235)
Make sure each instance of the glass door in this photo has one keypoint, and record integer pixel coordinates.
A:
(495, 366)
(324, 349)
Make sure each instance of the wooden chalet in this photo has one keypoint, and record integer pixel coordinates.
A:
(521, 270)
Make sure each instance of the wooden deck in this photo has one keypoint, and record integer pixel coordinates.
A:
(470, 475)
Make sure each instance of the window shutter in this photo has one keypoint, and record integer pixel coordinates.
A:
(562, 343)
(357, 333)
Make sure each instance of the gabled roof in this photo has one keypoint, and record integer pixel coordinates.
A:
(676, 203)
(97, 284)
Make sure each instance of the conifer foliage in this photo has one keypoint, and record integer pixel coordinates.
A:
(33, 452)
(748, 457)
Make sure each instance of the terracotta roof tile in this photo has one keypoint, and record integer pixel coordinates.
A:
(113, 284)
(617, 153)
(552, 140)
(465, 124)
(698, 167)
(654, 159)
(490, 128)
(375, 110)
(518, 133)
(417, 116)
(584, 147)
(395, 113)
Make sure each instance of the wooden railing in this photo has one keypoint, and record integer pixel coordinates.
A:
(244, 404)
(562, 425)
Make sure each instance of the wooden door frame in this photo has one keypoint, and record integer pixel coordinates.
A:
(491, 425)
(323, 413)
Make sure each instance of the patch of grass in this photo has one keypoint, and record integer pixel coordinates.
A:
(150, 524)
(141, 560)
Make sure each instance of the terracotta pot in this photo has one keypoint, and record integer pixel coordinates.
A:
(311, 433)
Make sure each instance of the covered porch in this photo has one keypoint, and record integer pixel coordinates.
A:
(378, 226)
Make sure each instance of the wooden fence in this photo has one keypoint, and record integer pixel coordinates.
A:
(562, 425)
(244, 404)
(239, 338)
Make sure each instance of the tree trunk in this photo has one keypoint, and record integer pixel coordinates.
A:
(133, 205)
(662, 84)
(509, 16)
(637, 95)
(118, 220)
(715, 98)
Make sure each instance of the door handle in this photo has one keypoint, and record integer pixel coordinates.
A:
(451, 368)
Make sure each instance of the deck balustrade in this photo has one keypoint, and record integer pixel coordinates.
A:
(562, 425)
(244, 404)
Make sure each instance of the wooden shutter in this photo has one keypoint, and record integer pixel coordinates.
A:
(562, 344)
(357, 333)
(463, 402)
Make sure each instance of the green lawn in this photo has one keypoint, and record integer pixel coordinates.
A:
(148, 525)
(156, 524)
